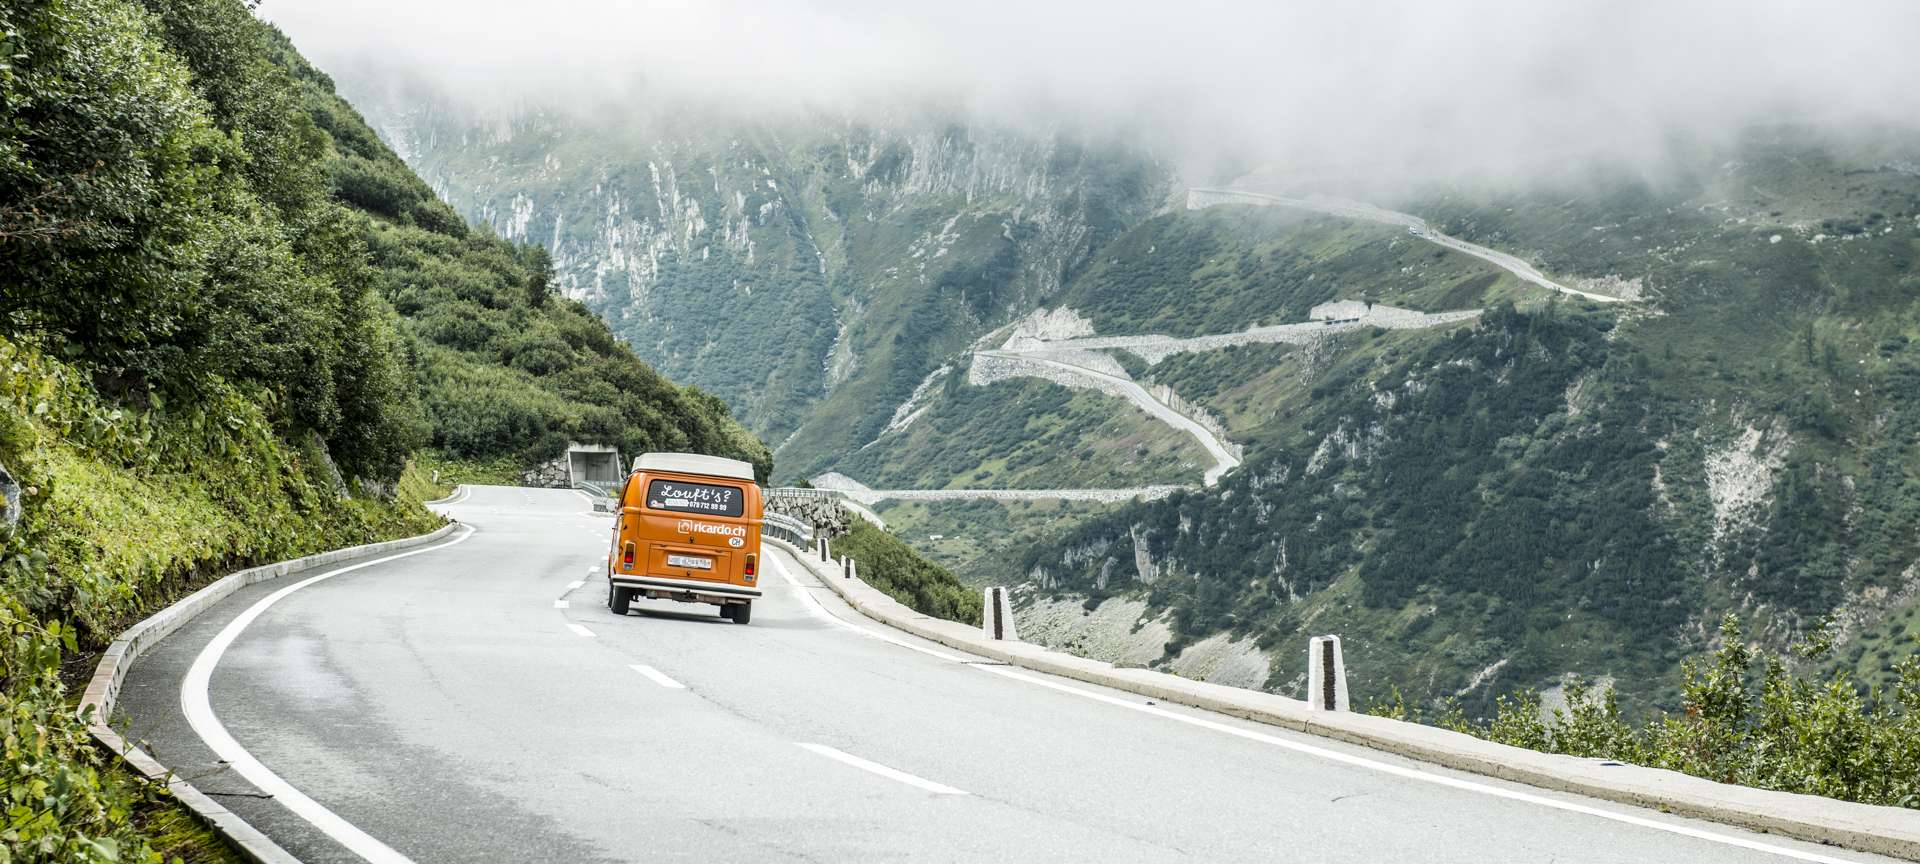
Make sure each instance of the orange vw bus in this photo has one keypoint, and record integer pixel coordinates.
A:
(688, 529)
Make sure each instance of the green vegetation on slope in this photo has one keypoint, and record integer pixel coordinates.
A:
(507, 368)
(1438, 496)
(202, 364)
(1027, 434)
(125, 511)
(982, 541)
(1223, 269)
(1784, 731)
(1565, 488)
(810, 272)
(893, 567)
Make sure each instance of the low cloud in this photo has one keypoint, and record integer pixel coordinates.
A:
(1476, 88)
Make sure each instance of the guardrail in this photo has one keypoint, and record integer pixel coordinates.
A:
(603, 490)
(800, 494)
(799, 532)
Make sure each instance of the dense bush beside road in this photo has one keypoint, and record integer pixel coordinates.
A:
(892, 566)
(1777, 729)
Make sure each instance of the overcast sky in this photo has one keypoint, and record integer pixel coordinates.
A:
(1472, 86)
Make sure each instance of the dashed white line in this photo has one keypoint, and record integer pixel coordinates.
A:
(657, 677)
(882, 770)
(579, 630)
(575, 584)
(1322, 752)
(559, 604)
(1417, 774)
(196, 705)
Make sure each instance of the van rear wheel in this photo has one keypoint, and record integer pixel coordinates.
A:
(618, 599)
(739, 613)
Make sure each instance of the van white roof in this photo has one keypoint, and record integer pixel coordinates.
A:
(694, 463)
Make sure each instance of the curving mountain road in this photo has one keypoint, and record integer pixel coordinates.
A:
(476, 702)
(1224, 458)
(1199, 198)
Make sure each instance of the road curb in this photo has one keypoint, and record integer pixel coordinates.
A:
(1860, 827)
(104, 689)
(459, 493)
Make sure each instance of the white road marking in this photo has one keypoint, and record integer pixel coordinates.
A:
(591, 568)
(576, 584)
(657, 677)
(813, 605)
(460, 493)
(579, 630)
(1323, 752)
(882, 770)
(198, 708)
(1422, 776)
(559, 604)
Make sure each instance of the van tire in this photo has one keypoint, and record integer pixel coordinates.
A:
(740, 613)
(618, 599)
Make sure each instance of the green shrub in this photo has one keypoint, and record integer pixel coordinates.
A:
(892, 566)
(1779, 730)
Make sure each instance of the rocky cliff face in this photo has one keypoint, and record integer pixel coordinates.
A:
(780, 265)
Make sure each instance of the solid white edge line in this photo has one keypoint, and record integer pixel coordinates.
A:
(882, 770)
(579, 630)
(1423, 776)
(657, 677)
(1325, 753)
(812, 605)
(198, 708)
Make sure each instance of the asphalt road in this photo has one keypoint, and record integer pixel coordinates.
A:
(446, 708)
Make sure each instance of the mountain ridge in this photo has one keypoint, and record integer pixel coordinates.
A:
(1748, 393)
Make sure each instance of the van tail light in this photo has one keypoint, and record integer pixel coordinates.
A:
(753, 564)
(626, 555)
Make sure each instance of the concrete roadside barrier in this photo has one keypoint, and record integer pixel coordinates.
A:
(996, 615)
(1861, 827)
(1326, 675)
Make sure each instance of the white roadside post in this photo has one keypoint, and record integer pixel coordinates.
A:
(996, 615)
(1326, 675)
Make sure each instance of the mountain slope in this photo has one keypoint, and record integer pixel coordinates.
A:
(1567, 489)
(202, 366)
(809, 273)
(1519, 485)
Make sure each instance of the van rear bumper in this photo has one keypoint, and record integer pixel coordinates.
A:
(687, 586)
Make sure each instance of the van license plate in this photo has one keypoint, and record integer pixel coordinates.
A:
(692, 561)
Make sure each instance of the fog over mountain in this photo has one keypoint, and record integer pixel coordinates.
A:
(1478, 88)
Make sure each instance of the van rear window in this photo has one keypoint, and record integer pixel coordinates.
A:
(682, 497)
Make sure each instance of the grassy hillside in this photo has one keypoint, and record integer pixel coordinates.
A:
(507, 367)
(231, 318)
(982, 542)
(892, 566)
(1026, 434)
(1221, 270)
